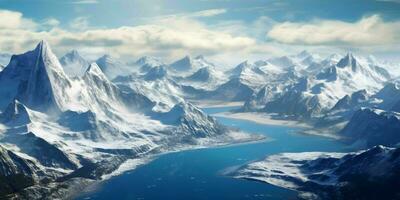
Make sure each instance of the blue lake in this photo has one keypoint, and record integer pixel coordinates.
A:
(196, 174)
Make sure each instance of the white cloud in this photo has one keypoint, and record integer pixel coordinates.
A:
(170, 37)
(14, 20)
(370, 30)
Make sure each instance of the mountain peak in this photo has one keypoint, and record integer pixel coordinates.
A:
(43, 44)
(148, 60)
(203, 74)
(105, 57)
(304, 54)
(184, 64)
(72, 53)
(15, 113)
(348, 60)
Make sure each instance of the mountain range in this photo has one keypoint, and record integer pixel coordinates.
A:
(92, 116)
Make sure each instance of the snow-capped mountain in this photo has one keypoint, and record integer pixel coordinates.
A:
(113, 67)
(147, 62)
(206, 78)
(36, 79)
(249, 74)
(56, 129)
(385, 99)
(74, 64)
(370, 174)
(315, 94)
(233, 90)
(156, 85)
(188, 65)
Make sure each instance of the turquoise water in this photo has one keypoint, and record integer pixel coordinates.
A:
(196, 174)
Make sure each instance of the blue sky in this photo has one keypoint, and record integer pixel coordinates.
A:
(222, 29)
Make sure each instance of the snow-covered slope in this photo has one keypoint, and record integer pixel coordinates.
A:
(74, 64)
(370, 174)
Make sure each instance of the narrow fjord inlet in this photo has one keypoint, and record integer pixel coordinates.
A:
(201, 174)
(200, 100)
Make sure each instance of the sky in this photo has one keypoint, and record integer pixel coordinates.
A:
(229, 31)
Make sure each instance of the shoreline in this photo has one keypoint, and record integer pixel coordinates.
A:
(261, 118)
(217, 104)
(266, 119)
(134, 163)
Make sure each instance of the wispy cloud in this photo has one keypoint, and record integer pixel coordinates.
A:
(85, 2)
(208, 13)
(79, 23)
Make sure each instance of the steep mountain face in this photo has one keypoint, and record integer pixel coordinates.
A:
(74, 64)
(370, 174)
(369, 127)
(36, 79)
